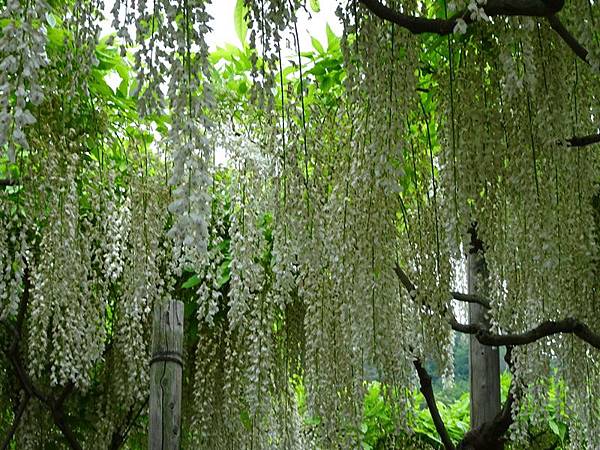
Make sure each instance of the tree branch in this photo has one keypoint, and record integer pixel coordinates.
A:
(491, 434)
(414, 24)
(119, 436)
(68, 389)
(427, 391)
(569, 325)
(58, 417)
(523, 8)
(55, 406)
(418, 25)
(459, 296)
(470, 298)
(24, 379)
(408, 285)
(7, 182)
(566, 36)
(16, 420)
(582, 141)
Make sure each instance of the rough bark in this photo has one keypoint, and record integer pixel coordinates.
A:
(484, 361)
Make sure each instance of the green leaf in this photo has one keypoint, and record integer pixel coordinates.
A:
(191, 282)
(315, 6)
(317, 45)
(123, 88)
(554, 427)
(242, 87)
(562, 431)
(327, 83)
(319, 70)
(333, 42)
(107, 59)
(56, 36)
(558, 428)
(246, 420)
(312, 421)
(239, 18)
(100, 87)
(224, 272)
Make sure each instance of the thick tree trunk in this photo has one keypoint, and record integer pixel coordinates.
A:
(484, 360)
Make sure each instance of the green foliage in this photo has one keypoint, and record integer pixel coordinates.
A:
(239, 18)
(377, 423)
(378, 431)
(322, 71)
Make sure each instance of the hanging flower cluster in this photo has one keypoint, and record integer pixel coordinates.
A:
(507, 169)
(293, 250)
(60, 290)
(171, 58)
(13, 261)
(142, 282)
(22, 56)
(190, 96)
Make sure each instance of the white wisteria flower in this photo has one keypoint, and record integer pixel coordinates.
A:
(460, 27)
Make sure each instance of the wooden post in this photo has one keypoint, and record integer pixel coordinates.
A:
(166, 371)
(484, 360)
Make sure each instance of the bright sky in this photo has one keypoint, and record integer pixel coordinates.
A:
(223, 30)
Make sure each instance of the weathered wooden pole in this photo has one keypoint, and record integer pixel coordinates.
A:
(484, 360)
(166, 371)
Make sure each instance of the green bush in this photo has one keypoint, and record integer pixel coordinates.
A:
(378, 431)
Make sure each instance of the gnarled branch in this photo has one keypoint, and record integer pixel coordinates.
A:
(15, 424)
(54, 405)
(408, 285)
(414, 24)
(545, 329)
(418, 25)
(459, 296)
(427, 391)
(119, 435)
(582, 141)
(569, 39)
(524, 8)
(58, 416)
(470, 298)
(568, 325)
(491, 434)
(7, 182)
